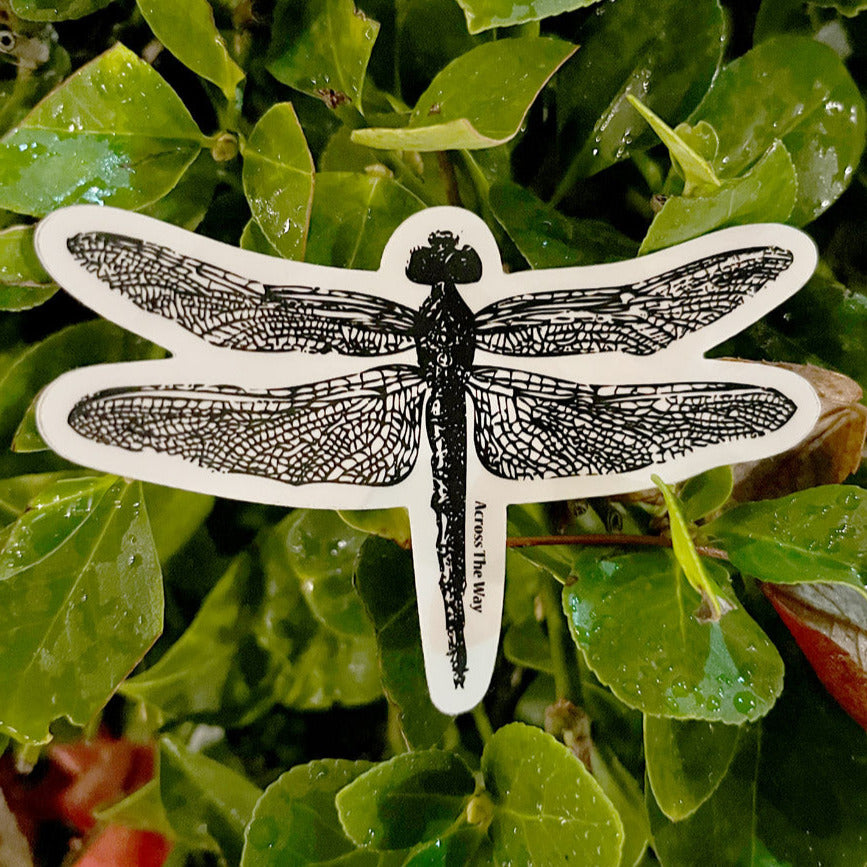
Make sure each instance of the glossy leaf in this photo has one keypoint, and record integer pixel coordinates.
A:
(77, 345)
(806, 99)
(389, 523)
(23, 281)
(353, 217)
(815, 535)
(547, 808)
(460, 844)
(706, 493)
(665, 53)
(56, 10)
(17, 492)
(829, 622)
(322, 48)
(174, 516)
(295, 822)
(670, 664)
(278, 179)
(75, 624)
(206, 802)
(548, 239)
(479, 100)
(485, 14)
(686, 761)
(188, 31)
(384, 580)
(114, 133)
(765, 194)
(411, 798)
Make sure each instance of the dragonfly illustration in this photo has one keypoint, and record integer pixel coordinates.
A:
(496, 388)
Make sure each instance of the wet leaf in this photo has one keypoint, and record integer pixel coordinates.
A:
(705, 493)
(75, 624)
(17, 492)
(815, 535)
(114, 133)
(806, 99)
(56, 10)
(353, 217)
(686, 761)
(765, 194)
(829, 622)
(669, 664)
(23, 281)
(278, 180)
(188, 31)
(411, 798)
(664, 53)
(206, 802)
(548, 239)
(384, 579)
(389, 523)
(479, 100)
(295, 822)
(547, 808)
(485, 14)
(322, 48)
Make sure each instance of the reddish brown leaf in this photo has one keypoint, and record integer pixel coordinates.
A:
(829, 622)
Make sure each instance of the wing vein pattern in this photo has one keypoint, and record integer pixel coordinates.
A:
(359, 429)
(637, 319)
(231, 311)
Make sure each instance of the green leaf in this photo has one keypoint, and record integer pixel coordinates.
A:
(188, 202)
(666, 53)
(807, 99)
(526, 644)
(706, 493)
(547, 807)
(56, 10)
(188, 31)
(23, 281)
(75, 346)
(699, 177)
(766, 193)
(16, 493)
(722, 830)
(460, 844)
(174, 516)
(384, 579)
(322, 48)
(114, 133)
(353, 217)
(142, 810)
(295, 822)
(548, 239)
(485, 14)
(322, 550)
(479, 100)
(389, 523)
(669, 664)
(75, 623)
(686, 761)
(254, 239)
(278, 179)
(206, 803)
(220, 669)
(815, 535)
(411, 798)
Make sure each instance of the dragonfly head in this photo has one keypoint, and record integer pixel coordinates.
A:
(443, 260)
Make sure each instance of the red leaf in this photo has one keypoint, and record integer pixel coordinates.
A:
(829, 622)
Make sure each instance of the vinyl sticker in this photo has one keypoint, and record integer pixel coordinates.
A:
(437, 383)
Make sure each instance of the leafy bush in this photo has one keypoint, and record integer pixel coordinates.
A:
(275, 656)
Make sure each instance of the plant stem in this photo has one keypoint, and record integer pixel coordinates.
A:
(626, 539)
(483, 724)
(554, 619)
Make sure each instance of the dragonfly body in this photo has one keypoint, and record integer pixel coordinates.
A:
(475, 397)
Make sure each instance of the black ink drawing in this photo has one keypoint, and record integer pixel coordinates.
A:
(364, 427)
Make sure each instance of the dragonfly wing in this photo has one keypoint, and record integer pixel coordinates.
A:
(529, 426)
(361, 429)
(638, 318)
(165, 276)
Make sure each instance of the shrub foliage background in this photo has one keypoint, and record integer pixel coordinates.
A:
(275, 654)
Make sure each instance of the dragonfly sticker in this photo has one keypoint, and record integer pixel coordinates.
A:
(438, 383)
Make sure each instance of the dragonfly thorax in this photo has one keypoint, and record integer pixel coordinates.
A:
(442, 260)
